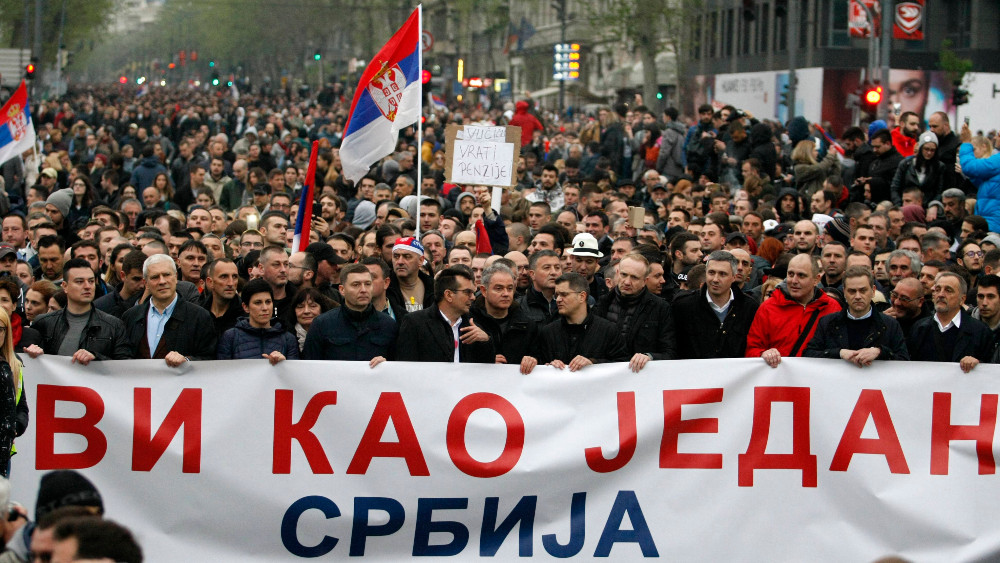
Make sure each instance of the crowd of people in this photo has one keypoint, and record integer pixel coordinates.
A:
(161, 227)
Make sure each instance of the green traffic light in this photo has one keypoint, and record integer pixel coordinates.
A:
(317, 56)
(659, 95)
(211, 63)
(215, 82)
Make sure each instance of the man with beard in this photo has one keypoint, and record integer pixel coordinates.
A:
(548, 189)
(904, 137)
(513, 334)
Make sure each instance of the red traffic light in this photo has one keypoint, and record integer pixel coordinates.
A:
(425, 76)
(29, 71)
(874, 95)
(122, 80)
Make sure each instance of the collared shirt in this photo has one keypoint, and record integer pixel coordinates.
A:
(717, 308)
(156, 322)
(454, 332)
(862, 317)
(955, 322)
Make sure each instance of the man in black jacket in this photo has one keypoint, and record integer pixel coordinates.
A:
(80, 330)
(859, 334)
(887, 158)
(444, 332)
(714, 322)
(578, 338)
(951, 335)
(513, 334)
(355, 331)
(166, 326)
(641, 318)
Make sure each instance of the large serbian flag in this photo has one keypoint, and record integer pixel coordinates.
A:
(16, 132)
(387, 99)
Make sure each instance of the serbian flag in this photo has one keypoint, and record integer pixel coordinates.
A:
(387, 99)
(303, 221)
(17, 134)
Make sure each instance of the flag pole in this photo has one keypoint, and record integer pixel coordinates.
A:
(420, 128)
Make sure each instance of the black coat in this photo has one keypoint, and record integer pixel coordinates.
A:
(520, 337)
(974, 339)
(650, 331)
(699, 332)
(831, 337)
(340, 335)
(534, 305)
(597, 339)
(424, 336)
(113, 304)
(103, 336)
(190, 331)
(906, 177)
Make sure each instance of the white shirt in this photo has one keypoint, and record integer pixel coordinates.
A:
(723, 308)
(955, 322)
(454, 332)
(862, 317)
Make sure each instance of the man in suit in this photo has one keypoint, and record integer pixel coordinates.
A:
(951, 335)
(444, 332)
(167, 327)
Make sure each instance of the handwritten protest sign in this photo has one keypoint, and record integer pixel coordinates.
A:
(482, 155)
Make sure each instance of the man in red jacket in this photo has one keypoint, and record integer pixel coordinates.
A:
(904, 137)
(786, 321)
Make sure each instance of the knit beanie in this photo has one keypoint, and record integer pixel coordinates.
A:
(61, 199)
(66, 488)
(924, 138)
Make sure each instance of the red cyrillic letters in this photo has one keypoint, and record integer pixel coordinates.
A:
(674, 426)
(186, 411)
(47, 426)
(943, 432)
(390, 406)
(870, 403)
(627, 438)
(285, 431)
(800, 458)
(455, 438)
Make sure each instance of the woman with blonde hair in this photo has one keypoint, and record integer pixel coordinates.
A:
(809, 174)
(12, 422)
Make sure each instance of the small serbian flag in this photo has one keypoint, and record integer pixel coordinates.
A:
(303, 221)
(388, 98)
(437, 102)
(17, 134)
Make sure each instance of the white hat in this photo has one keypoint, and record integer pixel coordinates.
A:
(584, 244)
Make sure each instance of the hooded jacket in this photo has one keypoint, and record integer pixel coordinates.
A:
(527, 122)
(780, 320)
(985, 175)
(145, 172)
(763, 148)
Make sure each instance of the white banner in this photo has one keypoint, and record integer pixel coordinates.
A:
(720, 460)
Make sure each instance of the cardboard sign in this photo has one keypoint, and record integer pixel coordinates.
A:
(482, 155)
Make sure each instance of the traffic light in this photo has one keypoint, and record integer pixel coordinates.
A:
(871, 97)
(211, 64)
(29, 71)
(215, 79)
(425, 76)
(784, 95)
(317, 56)
(959, 95)
(749, 10)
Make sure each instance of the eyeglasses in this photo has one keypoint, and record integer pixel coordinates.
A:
(975, 254)
(903, 298)
(467, 292)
